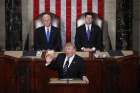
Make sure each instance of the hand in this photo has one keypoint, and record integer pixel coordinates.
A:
(84, 78)
(87, 50)
(49, 57)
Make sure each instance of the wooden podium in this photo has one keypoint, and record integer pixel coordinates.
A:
(67, 86)
(106, 75)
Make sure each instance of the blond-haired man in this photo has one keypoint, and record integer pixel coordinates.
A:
(68, 64)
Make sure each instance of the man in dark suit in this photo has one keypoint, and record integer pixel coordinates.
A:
(68, 64)
(47, 36)
(88, 36)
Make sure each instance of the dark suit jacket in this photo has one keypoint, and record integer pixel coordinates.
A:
(40, 39)
(75, 70)
(94, 41)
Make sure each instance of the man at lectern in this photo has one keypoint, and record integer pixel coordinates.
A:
(68, 64)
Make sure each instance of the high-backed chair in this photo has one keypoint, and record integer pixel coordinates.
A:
(102, 24)
(54, 22)
(38, 22)
(97, 20)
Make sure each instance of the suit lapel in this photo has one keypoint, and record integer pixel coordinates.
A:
(85, 33)
(44, 35)
(62, 61)
(92, 33)
(73, 62)
(51, 34)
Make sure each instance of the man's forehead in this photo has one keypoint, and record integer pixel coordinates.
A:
(46, 16)
(89, 16)
(68, 46)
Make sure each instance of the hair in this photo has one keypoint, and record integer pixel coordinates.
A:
(89, 13)
(46, 13)
(69, 44)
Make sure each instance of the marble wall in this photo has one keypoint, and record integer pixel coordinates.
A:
(2, 24)
(136, 25)
(110, 17)
(13, 22)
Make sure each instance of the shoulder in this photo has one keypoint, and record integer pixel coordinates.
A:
(42, 27)
(79, 58)
(80, 29)
(61, 55)
(39, 29)
(54, 28)
(96, 27)
(82, 26)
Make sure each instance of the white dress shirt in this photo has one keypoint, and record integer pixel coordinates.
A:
(70, 60)
(47, 28)
(88, 27)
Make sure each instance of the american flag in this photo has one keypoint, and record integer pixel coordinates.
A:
(68, 11)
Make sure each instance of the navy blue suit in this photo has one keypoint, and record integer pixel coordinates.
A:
(40, 39)
(95, 40)
(75, 70)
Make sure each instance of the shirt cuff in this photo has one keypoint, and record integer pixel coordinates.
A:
(47, 64)
(82, 48)
(93, 48)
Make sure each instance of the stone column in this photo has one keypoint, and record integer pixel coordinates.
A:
(136, 25)
(110, 17)
(27, 22)
(2, 24)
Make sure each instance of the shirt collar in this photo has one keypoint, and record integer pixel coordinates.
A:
(48, 28)
(88, 25)
(70, 58)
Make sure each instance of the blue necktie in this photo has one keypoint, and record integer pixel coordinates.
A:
(48, 35)
(88, 33)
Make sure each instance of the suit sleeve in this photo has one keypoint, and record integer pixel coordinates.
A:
(59, 41)
(36, 40)
(78, 42)
(82, 68)
(55, 64)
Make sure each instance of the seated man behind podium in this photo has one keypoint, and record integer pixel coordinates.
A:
(68, 64)
(47, 36)
(88, 36)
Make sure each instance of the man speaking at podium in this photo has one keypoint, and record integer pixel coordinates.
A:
(67, 64)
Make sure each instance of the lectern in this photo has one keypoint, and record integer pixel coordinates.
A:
(67, 86)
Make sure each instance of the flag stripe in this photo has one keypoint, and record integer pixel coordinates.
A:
(52, 6)
(73, 19)
(89, 5)
(68, 20)
(84, 6)
(41, 6)
(63, 21)
(95, 6)
(100, 8)
(79, 7)
(58, 7)
(47, 5)
(36, 8)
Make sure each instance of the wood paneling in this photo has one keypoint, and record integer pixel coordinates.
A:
(29, 75)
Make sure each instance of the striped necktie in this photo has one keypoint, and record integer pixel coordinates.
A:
(65, 69)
